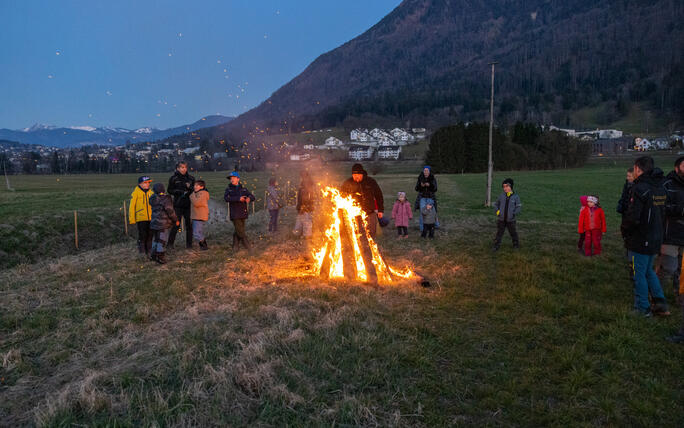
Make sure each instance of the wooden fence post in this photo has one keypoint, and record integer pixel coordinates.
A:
(76, 228)
(125, 218)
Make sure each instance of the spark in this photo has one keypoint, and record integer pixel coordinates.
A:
(58, 52)
(180, 34)
(50, 76)
(108, 93)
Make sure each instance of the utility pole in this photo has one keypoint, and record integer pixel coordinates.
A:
(490, 166)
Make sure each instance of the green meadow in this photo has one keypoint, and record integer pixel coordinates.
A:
(532, 337)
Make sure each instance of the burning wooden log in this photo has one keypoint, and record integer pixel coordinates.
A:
(346, 239)
(366, 252)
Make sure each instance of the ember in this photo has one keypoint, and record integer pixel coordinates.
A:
(349, 251)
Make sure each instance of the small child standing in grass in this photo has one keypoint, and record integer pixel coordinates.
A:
(199, 212)
(429, 217)
(402, 213)
(163, 219)
(580, 241)
(140, 214)
(592, 223)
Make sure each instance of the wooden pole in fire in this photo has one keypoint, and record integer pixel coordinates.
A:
(366, 252)
(346, 231)
(490, 165)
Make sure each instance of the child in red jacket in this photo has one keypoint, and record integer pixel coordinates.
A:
(580, 241)
(592, 223)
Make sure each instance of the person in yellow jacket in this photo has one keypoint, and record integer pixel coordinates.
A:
(140, 213)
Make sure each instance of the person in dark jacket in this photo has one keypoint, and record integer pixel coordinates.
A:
(670, 259)
(163, 219)
(426, 186)
(306, 199)
(181, 185)
(238, 198)
(507, 208)
(367, 194)
(642, 226)
(624, 198)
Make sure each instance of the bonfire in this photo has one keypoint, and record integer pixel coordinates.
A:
(348, 251)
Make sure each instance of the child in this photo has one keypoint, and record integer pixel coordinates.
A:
(592, 223)
(199, 212)
(429, 218)
(163, 219)
(273, 203)
(580, 241)
(402, 213)
(140, 213)
(507, 207)
(238, 199)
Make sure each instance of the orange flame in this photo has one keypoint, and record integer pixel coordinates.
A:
(329, 259)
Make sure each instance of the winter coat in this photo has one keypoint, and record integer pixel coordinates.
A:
(163, 213)
(674, 210)
(624, 198)
(429, 215)
(200, 205)
(140, 209)
(592, 219)
(232, 195)
(306, 197)
(367, 193)
(180, 187)
(273, 200)
(402, 213)
(642, 224)
(508, 207)
(429, 191)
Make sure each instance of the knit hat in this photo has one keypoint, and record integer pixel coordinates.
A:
(400, 194)
(233, 174)
(357, 168)
(593, 199)
(508, 181)
(143, 179)
(428, 167)
(158, 188)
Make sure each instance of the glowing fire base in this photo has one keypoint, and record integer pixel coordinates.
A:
(349, 252)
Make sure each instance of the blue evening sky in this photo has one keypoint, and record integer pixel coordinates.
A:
(161, 63)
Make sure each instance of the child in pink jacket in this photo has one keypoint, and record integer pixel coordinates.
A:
(402, 213)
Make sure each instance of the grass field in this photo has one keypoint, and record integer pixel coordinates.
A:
(539, 336)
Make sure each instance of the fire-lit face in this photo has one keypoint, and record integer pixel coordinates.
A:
(182, 168)
(357, 177)
(145, 185)
(426, 172)
(507, 188)
(198, 187)
(234, 180)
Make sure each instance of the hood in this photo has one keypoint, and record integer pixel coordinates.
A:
(654, 177)
(583, 200)
(674, 176)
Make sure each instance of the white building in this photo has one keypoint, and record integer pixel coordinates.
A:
(386, 141)
(361, 153)
(300, 157)
(333, 142)
(610, 133)
(308, 146)
(191, 150)
(389, 152)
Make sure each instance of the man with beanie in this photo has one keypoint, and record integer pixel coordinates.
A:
(367, 194)
(642, 226)
(507, 208)
(426, 186)
(670, 259)
(163, 219)
(181, 185)
(238, 198)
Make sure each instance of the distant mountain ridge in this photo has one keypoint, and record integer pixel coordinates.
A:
(428, 60)
(72, 136)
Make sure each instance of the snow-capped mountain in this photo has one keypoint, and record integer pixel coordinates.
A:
(81, 135)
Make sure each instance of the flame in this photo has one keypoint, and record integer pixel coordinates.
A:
(348, 219)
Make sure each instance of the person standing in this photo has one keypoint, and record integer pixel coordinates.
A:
(401, 213)
(200, 213)
(273, 204)
(642, 226)
(181, 185)
(306, 197)
(670, 259)
(238, 198)
(140, 213)
(163, 219)
(367, 194)
(592, 223)
(507, 207)
(426, 186)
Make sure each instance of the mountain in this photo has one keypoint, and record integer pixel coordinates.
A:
(427, 62)
(47, 135)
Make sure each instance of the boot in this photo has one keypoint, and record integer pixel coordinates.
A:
(160, 259)
(203, 245)
(153, 255)
(236, 244)
(246, 243)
